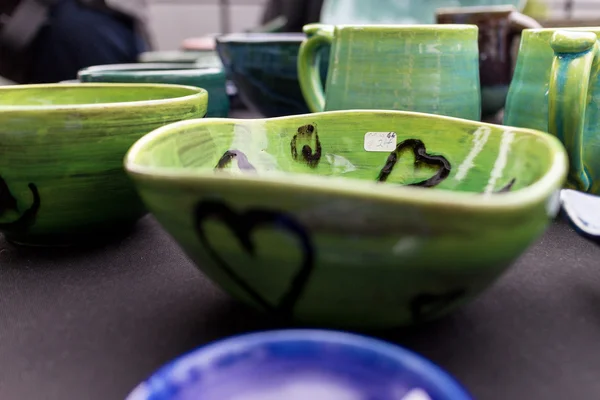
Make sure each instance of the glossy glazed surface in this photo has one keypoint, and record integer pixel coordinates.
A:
(210, 79)
(429, 68)
(300, 365)
(583, 211)
(556, 90)
(499, 27)
(291, 214)
(263, 67)
(61, 152)
(396, 11)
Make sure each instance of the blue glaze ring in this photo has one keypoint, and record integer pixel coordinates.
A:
(300, 364)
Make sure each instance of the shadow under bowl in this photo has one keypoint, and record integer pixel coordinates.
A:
(212, 79)
(358, 219)
(300, 365)
(264, 68)
(62, 180)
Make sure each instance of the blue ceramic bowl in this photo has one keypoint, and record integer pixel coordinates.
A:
(300, 365)
(263, 67)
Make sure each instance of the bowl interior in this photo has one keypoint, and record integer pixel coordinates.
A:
(302, 365)
(393, 147)
(78, 94)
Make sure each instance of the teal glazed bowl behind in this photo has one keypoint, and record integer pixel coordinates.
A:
(196, 58)
(263, 67)
(211, 79)
(355, 219)
(62, 180)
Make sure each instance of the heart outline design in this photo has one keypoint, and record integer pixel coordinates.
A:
(311, 159)
(421, 156)
(242, 224)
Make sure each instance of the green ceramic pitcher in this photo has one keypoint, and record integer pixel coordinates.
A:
(556, 89)
(426, 68)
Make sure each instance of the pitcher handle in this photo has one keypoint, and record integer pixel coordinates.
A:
(574, 56)
(318, 36)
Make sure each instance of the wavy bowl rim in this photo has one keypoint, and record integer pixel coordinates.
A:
(552, 180)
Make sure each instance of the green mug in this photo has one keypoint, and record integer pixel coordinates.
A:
(424, 68)
(556, 89)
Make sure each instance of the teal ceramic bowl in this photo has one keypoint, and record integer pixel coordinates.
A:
(199, 58)
(354, 219)
(264, 68)
(212, 79)
(61, 156)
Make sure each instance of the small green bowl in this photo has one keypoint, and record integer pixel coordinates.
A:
(212, 79)
(310, 217)
(61, 156)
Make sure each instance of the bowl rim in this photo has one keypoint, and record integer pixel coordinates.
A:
(551, 181)
(174, 373)
(146, 67)
(194, 94)
(261, 37)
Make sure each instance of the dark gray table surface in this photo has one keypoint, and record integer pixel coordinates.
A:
(90, 324)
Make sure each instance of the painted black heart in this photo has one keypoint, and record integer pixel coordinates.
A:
(424, 306)
(421, 157)
(9, 202)
(242, 225)
(308, 156)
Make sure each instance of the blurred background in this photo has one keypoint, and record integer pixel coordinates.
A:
(171, 21)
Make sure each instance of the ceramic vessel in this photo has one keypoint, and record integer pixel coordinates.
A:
(300, 365)
(583, 212)
(499, 28)
(426, 68)
(310, 218)
(61, 156)
(263, 67)
(198, 58)
(396, 11)
(211, 79)
(556, 89)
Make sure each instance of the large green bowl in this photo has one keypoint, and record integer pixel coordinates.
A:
(292, 214)
(212, 79)
(61, 155)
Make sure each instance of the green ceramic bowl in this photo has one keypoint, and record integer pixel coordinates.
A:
(212, 79)
(310, 217)
(61, 155)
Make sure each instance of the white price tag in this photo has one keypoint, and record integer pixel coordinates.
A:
(380, 141)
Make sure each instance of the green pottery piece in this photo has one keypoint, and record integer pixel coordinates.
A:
(61, 155)
(556, 89)
(499, 28)
(425, 68)
(292, 214)
(211, 79)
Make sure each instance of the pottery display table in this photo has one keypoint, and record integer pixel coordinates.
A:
(92, 323)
